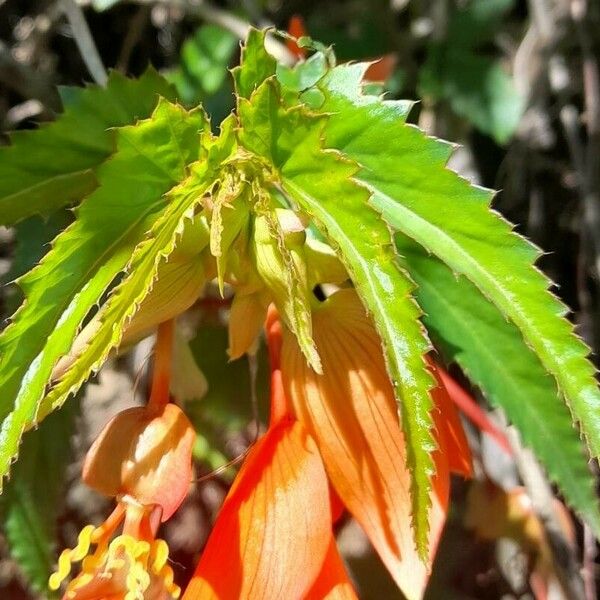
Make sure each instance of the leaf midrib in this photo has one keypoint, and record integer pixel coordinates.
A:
(40, 184)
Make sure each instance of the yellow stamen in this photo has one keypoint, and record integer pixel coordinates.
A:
(68, 556)
(139, 561)
(161, 554)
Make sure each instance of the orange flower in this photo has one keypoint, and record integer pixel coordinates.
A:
(297, 30)
(351, 413)
(273, 536)
(143, 458)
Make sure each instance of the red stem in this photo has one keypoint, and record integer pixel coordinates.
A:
(472, 410)
(161, 374)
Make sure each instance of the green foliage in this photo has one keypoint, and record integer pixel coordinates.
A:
(305, 142)
(320, 183)
(475, 85)
(140, 274)
(32, 236)
(202, 73)
(152, 157)
(471, 331)
(31, 501)
(54, 166)
(303, 75)
(256, 65)
(452, 219)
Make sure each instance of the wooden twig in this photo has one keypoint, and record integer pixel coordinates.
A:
(85, 41)
(590, 183)
(133, 36)
(549, 22)
(26, 81)
(539, 491)
(589, 564)
(239, 27)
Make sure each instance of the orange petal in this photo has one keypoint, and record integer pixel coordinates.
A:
(146, 454)
(333, 582)
(351, 413)
(337, 506)
(448, 426)
(381, 69)
(272, 534)
(297, 29)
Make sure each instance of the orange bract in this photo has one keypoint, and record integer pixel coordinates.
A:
(297, 29)
(332, 582)
(146, 454)
(351, 412)
(143, 458)
(272, 534)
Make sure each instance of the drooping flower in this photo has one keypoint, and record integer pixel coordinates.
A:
(128, 566)
(273, 536)
(351, 413)
(142, 458)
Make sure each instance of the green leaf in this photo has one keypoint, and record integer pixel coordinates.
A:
(491, 351)
(321, 184)
(418, 196)
(280, 262)
(477, 21)
(140, 275)
(152, 157)
(304, 74)
(205, 57)
(475, 85)
(53, 166)
(256, 65)
(33, 236)
(31, 501)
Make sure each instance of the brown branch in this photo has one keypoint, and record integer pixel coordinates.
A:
(590, 183)
(229, 21)
(26, 81)
(539, 491)
(85, 41)
(589, 564)
(133, 36)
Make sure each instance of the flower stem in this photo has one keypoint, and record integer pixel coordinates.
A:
(161, 374)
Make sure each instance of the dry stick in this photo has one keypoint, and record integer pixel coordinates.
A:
(586, 159)
(590, 186)
(542, 500)
(590, 183)
(84, 41)
(589, 563)
(26, 81)
(429, 120)
(133, 36)
(226, 20)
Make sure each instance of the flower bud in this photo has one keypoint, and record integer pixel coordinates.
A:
(145, 454)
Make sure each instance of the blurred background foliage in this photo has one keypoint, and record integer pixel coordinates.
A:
(515, 82)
